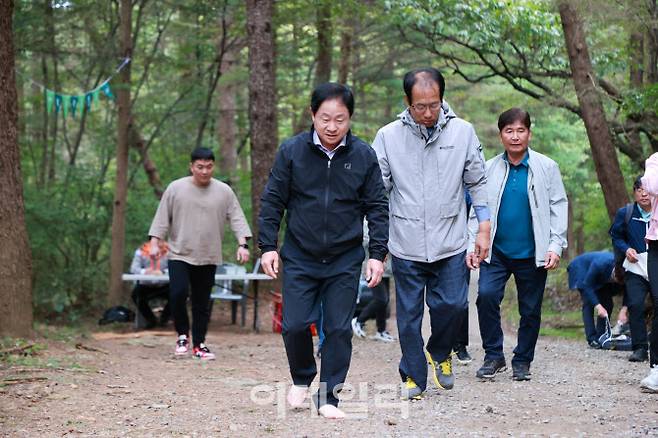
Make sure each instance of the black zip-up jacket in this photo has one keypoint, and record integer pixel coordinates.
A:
(326, 200)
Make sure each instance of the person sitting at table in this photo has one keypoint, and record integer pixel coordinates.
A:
(147, 290)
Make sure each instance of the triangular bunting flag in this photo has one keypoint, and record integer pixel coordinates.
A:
(66, 104)
(88, 98)
(74, 105)
(50, 100)
(108, 92)
(58, 103)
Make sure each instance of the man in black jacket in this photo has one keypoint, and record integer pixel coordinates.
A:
(326, 180)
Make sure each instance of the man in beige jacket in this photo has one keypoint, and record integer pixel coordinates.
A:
(193, 212)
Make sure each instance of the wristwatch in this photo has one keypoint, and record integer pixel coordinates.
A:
(244, 245)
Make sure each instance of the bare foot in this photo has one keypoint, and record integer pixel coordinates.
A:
(296, 395)
(331, 411)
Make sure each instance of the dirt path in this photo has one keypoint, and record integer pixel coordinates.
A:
(133, 386)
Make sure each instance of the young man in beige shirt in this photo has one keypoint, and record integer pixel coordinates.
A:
(192, 213)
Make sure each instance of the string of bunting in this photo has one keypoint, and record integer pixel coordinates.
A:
(72, 102)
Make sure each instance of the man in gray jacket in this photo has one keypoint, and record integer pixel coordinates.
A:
(528, 232)
(427, 157)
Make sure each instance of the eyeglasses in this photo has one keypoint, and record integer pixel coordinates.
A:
(422, 107)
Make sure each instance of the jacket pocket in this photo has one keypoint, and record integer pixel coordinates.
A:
(406, 212)
(406, 231)
(450, 209)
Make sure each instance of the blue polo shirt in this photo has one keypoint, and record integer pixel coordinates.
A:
(514, 237)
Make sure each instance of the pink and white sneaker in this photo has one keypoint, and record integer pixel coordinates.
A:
(202, 352)
(182, 345)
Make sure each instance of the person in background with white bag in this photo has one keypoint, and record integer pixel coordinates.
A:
(628, 232)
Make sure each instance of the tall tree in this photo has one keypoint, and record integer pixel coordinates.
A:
(15, 257)
(262, 98)
(325, 41)
(227, 129)
(593, 115)
(116, 293)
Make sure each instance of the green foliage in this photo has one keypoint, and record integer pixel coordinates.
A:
(646, 99)
(69, 172)
(520, 30)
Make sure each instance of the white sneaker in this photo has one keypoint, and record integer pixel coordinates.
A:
(650, 383)
(357, 329)
(383, 336)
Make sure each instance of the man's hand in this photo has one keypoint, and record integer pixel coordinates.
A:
(631, 255)
(552, 260)
(472, 261)
(482, 241)
(600, 310)
(270, 263)
(242, 256)
(374, 272)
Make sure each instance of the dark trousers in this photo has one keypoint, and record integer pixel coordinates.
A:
(461, 340)
(307, 284)
(652, 268)
(637, 289)
(462, 334)
(142, 295)
(376, 308)
(593, 331)
(530, 283)
(200, 279)
(443, 285)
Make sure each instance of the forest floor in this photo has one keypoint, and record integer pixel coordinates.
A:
(129, 384)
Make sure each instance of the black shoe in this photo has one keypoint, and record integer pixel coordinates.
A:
(462, 355)
(639, 355)
(521, 371)
(594, 344)
(490, 368)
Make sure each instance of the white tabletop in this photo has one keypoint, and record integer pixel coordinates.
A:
(218, 277)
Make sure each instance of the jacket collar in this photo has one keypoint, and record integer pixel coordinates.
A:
(445, 115)
(309, 138)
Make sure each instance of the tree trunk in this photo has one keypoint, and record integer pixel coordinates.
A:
(15, 257)
(43, 166)
(345, 55)
(138, 142)
(325, 46)
(227, 129)
(50, 26)
(636, 59)
(116, 293)
(600, 138)
(580, 234)
(262, 98)
(652, 43)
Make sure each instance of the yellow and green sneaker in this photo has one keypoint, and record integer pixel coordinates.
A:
(411, 391)
(442, 372)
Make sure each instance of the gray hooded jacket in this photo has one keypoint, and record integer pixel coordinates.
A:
(425, 177)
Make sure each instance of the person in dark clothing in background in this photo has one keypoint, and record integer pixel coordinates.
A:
(325, 180)
(461, 341)
(377, 307)
(592, 273)
(628, 231)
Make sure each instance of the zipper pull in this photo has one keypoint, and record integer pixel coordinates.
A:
(328, 164)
